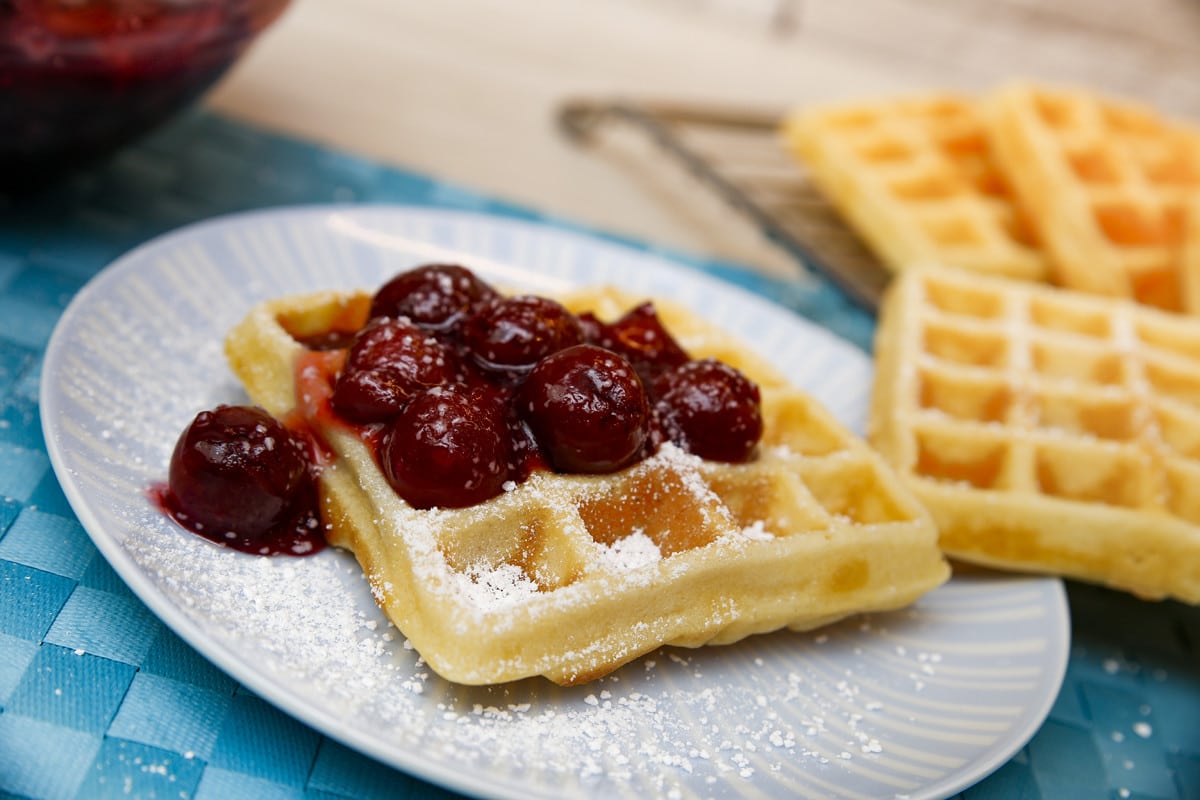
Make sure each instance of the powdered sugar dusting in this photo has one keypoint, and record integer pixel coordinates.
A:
(750, 714)
(312, 623)
(494, 588)
(631, 552)
(757, 532)
(778, 715)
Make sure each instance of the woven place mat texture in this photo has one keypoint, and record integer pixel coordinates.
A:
(98, 698)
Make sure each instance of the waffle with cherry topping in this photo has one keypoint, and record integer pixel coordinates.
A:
(572, 575)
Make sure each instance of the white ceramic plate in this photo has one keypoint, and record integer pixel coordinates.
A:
(919, 703)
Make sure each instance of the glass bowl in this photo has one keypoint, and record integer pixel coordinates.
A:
(79, 78)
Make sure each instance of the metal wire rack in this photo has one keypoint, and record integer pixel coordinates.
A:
(738, 154)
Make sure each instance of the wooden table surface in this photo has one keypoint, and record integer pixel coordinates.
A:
(468, 90)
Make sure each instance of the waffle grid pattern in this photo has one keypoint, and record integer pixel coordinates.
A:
(1083, 412)
(98, 699)
(1108, 183)
(1076, 380)
(917, 177)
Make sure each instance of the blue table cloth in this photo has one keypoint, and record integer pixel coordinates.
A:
(98, 698)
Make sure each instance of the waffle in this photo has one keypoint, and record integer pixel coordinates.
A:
(1105, 182)
(1190, 274)
(570, 576)
(916, 179)
(1046, 430)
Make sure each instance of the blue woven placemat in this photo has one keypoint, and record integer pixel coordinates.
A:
(98, 698)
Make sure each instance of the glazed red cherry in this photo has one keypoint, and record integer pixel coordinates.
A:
(526, 455)
(389, 361)
(435, 297)
(511, 334)
(594, 330)
(235, 469)
(449, 448)
(373, 395)
(710, 409)
(641, 337)
(389, 341)
(587, 409)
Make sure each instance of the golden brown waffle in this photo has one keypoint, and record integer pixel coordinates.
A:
(1106, 183)
(916, 179)
(570, 576)
(1190, 260)
(1046, 430)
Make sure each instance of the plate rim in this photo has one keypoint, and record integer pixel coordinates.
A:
(224, 656)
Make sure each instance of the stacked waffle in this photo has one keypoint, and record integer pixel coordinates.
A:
(1046, 429)
(569, 576)
(1027, 182)
(916, 178)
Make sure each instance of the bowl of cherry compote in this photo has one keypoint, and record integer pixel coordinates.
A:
(462, 393)
(79, 78)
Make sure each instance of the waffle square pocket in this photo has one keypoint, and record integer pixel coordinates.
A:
(917, 179)
(1045, 430)
(1108, 183)
(571, 575)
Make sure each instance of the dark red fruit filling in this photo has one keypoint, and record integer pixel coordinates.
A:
(239, 477)
(710, 409)
(436, 297)
(508, 336)
(459, 391)
(79, 78)
(587, 407)
(641, 338)
(450, 447)
(389, 362)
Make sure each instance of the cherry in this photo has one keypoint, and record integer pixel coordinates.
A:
(510, 335)
(388, 341)
(371, 395)
(389, 361)
(236, 470)
(587, 409)
(435, 297)
(641, 337)
(710, 409)
(449, 448)
(593, 329)
(473, 391)
(526, 455)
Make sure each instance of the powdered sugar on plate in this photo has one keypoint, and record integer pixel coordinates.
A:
(717, 714)
(917, 703)
(762, 712)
